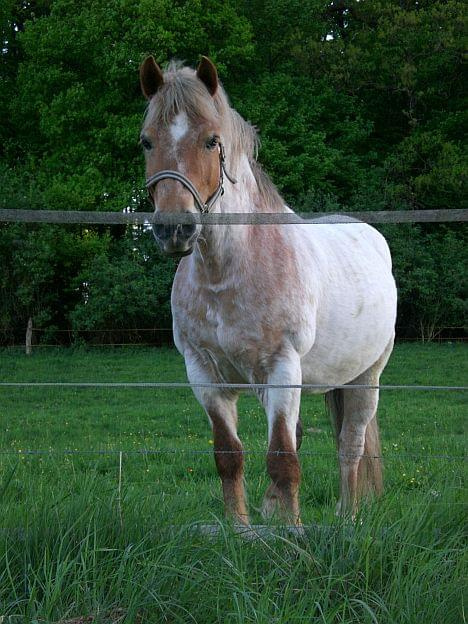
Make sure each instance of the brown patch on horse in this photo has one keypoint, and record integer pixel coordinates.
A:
(284, 470)
(272, 237)
(229, 459)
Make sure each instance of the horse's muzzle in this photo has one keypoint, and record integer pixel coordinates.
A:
(175, 240)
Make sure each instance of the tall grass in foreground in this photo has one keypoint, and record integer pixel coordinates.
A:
(113, 558)
(79, 539)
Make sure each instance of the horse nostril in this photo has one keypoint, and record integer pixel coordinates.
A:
(161, 231)
(188, 230)
(181, 232)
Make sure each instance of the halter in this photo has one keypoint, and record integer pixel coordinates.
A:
(204, 207)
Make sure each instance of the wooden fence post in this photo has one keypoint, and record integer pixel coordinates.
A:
(29, 332)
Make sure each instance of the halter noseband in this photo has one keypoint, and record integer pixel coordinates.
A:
(204, 207)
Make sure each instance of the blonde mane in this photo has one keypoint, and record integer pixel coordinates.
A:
(182, 91)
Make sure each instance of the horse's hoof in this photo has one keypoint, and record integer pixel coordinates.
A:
(296, 530)
(269, 507)
(245, 531)
(347, 515)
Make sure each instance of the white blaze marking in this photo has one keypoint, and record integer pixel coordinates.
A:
(179, 127)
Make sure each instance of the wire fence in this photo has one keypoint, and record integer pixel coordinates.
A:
(222, 386)
(163, 336)
(152, 344)
(225, 386)
(141, 218)
(69, 330)
(49, 338)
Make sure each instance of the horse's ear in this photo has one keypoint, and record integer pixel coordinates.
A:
(151, 77)
(207, 73)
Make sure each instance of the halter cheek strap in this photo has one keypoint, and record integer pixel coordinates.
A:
(204, 207)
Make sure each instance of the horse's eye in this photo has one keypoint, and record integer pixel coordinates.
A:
(146, 143)
(212, 142)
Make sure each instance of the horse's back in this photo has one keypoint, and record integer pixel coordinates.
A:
(359, 231)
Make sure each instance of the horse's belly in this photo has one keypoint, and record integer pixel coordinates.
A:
(321, 367)
(349, 340)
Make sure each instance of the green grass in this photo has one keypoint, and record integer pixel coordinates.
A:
(72, 544)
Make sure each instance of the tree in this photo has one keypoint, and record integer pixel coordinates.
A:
(127, 287)
(39, 264)
(73, 112)
(360, 106)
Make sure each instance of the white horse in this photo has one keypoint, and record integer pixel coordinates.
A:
(275, 304)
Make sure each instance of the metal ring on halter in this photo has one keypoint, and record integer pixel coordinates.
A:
(204, 207)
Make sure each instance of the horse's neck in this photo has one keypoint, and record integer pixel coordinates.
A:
(223, 248)
(244, 195)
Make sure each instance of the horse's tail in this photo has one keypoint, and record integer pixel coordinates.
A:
(335, 407)
(370, 478)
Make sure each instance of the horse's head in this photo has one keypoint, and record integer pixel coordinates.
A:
(181, 138)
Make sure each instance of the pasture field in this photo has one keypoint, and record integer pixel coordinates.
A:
(82, 536)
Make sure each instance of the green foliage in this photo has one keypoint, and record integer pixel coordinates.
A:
(39, 264)
(427, 170)
(311, 135)
(126, 289)
(430, 271)
(77, 108)
(360, 105)
(408, 76)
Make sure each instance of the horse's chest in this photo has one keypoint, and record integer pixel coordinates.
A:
(242, 337)
(227, 326)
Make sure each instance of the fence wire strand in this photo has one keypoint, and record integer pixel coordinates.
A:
(146, 219)
(221, 386)
(190, 451)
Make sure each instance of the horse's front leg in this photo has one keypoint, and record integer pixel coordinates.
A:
(221, 409)
(282, 408)
(229, 457)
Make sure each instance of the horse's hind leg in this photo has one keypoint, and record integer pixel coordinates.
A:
(358, 439)
(299, 433)
(284, 431)
(359, 411)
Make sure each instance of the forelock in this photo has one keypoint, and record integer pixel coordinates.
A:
(181, 92)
